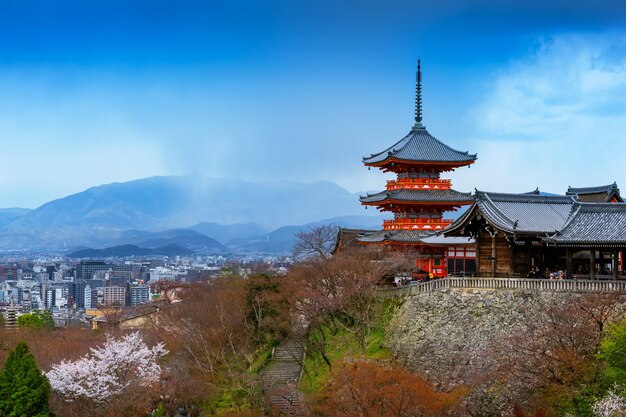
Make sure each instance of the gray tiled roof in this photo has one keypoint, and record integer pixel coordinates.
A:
(601, 224)
(420, 146)
(530, 213)
(593, 190)
(526, 213)
(418, 196)
(347, 238)
(449, 240)
(399, 236)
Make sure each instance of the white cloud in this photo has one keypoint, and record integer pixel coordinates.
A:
(554, 118)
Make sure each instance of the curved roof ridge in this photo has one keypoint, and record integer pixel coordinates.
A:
(602, 224)
(532, 196)
(592, 189)
(591, 205)
(573, 213)
(421, 195)
(420, 146)
(389, 149)
(493, 209)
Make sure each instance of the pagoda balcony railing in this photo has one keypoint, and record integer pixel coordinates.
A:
(416, 224)
(419, 184)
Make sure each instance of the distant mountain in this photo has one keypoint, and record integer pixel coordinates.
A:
(131, 250)
(185, 238)
(7, 215)
(282, 239)
(189, 239)
(105, 213)
(224, 233)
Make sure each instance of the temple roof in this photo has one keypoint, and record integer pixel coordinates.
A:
(592, 190)
(414, 236)
(598, 194)
(529, 213)
(421, 146)
(348, 238)
(395, 236)
(418, 196)
(594, 224)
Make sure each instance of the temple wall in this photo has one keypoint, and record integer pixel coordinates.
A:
(444, 334)
(503, 256)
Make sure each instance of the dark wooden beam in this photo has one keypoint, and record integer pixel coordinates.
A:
(568, 262)
(493, 254)
(592, 263)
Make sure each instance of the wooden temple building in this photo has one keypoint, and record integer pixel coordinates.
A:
(418, 198)
(582, 233)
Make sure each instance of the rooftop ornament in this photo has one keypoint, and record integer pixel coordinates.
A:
(418, 97)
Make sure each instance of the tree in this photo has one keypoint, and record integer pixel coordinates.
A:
(214, 329)
(317, 241)
(611, 405)
(36, 319)
(613, 353)
(107, 373)
(548, 361)
(24, 390)
(341, 291)
(368, 389)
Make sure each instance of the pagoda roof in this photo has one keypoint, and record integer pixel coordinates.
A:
(418, 196)
(597, 194)
(424, 237)
(593, 224)
(527, 213)
(419, 146)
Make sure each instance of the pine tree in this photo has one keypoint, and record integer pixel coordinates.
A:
(24, 389)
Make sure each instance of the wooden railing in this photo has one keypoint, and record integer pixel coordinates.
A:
(546, 285)
(419, 184)
(416, 224)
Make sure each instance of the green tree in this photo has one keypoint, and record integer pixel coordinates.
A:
(24, 389)
(37, 319)
(613, 353)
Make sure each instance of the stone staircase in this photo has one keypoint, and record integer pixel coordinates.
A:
(281, 377)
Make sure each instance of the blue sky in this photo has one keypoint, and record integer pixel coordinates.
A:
(93, 92)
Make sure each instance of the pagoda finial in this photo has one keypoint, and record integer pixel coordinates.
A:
(418, 96)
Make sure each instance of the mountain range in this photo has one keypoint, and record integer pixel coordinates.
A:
(215, 214)
(131, 250)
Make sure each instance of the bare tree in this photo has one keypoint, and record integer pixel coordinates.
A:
(340, 292)
(316, 241)
(550, 357)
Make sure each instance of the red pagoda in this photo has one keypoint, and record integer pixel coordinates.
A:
(419, 197)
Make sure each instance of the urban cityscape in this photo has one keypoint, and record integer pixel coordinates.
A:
(76, 290)
(312, 209)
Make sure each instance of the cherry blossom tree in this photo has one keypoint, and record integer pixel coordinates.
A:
(107, 371)
(611, 405)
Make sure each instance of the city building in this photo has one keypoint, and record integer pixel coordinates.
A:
(87, 269)
(114, 296)
(87, 304)
(139, 294)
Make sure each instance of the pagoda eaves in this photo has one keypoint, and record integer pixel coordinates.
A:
(419, 149)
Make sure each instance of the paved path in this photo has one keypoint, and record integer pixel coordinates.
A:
(281, 377)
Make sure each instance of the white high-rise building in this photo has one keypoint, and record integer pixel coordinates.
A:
(87, 296)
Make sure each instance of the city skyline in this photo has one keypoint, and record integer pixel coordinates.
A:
(93, 94)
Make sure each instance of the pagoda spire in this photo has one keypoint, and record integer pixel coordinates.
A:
(418, 96)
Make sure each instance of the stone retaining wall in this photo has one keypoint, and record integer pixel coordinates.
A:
(444, 333)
